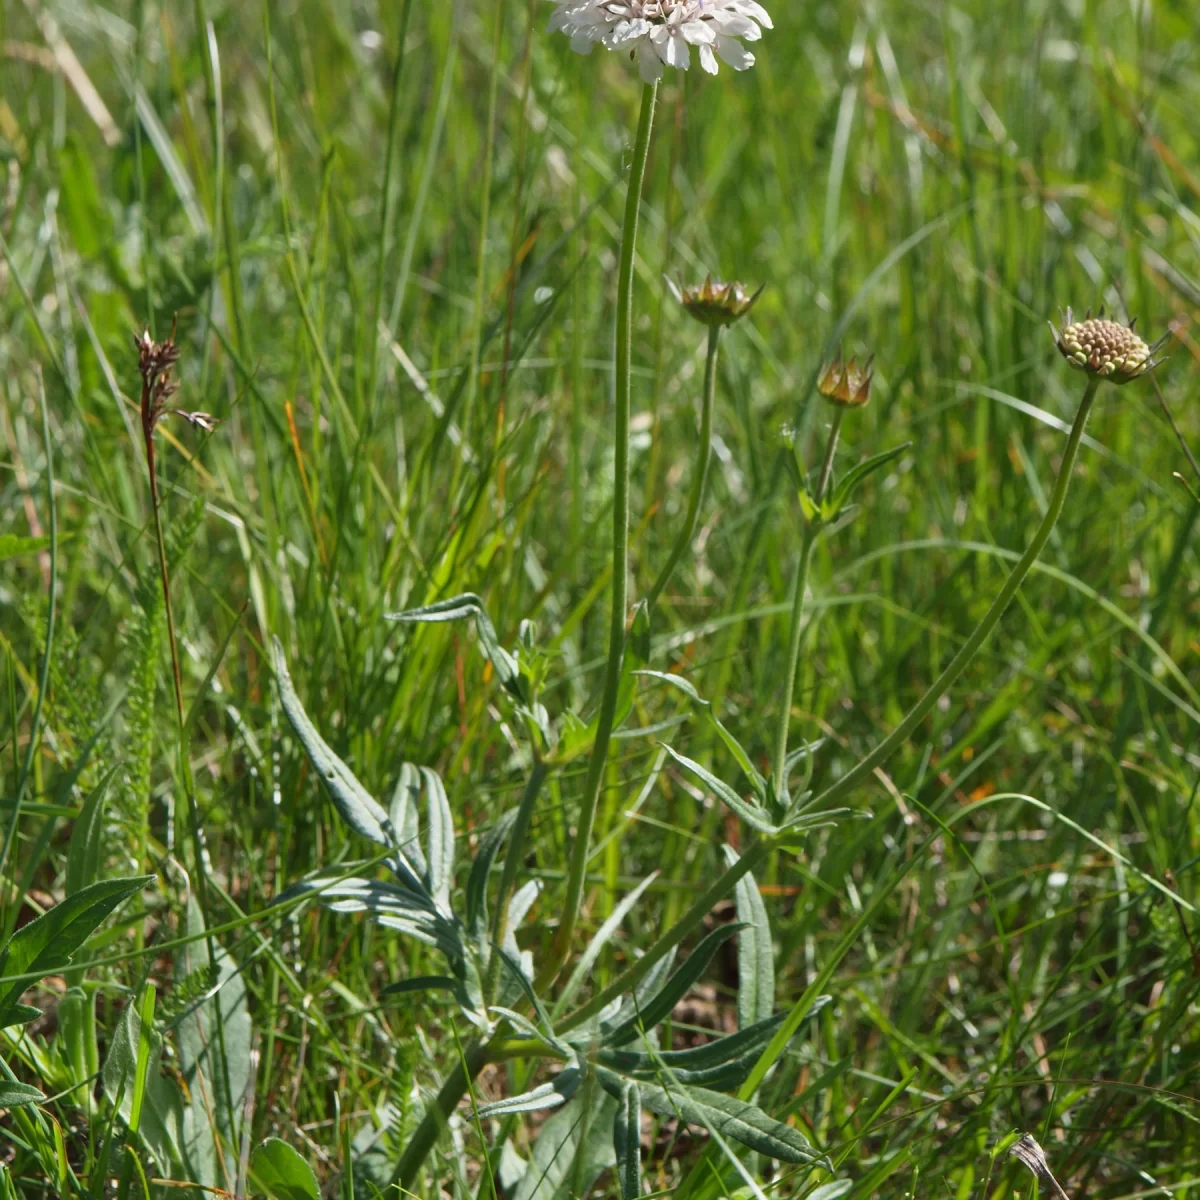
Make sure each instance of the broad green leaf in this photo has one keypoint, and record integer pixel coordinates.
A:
(13, 1095)
(627, 1140)
(477, 882)
(757, 782)
(467, 605)
(45, 945)
(216, 1069)
(754, 816)
(659, 1006)
(583, 969)
(577, 1131)
(358, 808)
(282, 1173)
(161, 1122)
(756, 955)
(731, 1118)
(845, 488)
(12, 546)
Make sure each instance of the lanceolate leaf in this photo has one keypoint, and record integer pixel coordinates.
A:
(731, 1118)
(627, 1140)
(13, 1095)
(754, 816)
(477, 882)
(468, 605)
(845, 488)
(549, 1095)
(680, 983)
(358, 808)
(732, 744)
(573, 1147)
(440, 847)
(583, 969)
(46, 944)
(756, 957)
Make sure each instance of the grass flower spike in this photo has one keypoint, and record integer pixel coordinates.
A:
(846, 384)
(716, 303)
(1105, 349)
(660, 33)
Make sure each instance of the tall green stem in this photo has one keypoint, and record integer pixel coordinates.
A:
(700, 479)
(971, 646)
(620, 548)
(799, 588)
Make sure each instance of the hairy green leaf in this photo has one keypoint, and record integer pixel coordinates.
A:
(13, 1095)
(627, 1140)
(754, 816)
(756, 955)
(477, 881)
(659, 1006)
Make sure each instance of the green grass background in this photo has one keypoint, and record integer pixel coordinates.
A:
(922, 182)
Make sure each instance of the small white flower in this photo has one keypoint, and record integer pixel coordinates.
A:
(661, 33)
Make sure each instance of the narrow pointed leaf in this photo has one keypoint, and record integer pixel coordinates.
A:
(754, 816)
(361, 811)
(549, 1095)
(756, 956)
(404, 813)
(13, 1095)
(845, 488)
(659, 1006)
(731, 1118)
(583, 969)
(481, 868)
(467, 605)
(757, 782)
(627, 1140)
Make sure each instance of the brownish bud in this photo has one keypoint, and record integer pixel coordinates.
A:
(715, 303)
(846, 383)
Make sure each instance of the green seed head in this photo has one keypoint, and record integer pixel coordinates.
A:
(1104, 349)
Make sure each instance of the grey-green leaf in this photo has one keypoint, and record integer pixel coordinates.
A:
(627, 1140)
(574, 1132)
(753, 815)
(13, 1095)
(477, 882)
(46, 944)
(659, 1006)
(361, 811)
(282, 1173)
(732, 1118)
(466, 605)
(548, 1095)
(756, 957)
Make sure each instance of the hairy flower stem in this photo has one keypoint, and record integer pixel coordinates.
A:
(983, 630)
(799, 587)
(620, 549)
(700, 479)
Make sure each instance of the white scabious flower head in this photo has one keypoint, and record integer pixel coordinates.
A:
(661, 33)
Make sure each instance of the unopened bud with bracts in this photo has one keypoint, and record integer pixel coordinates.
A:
(715, 303)
(846, 383)
(1105, 349)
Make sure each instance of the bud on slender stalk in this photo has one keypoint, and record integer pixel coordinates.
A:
(716, 303)
(846, 384)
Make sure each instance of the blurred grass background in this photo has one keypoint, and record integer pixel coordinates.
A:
(396, 291)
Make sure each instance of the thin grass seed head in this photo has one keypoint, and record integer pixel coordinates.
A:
(658, 34)
(1105, 349)
(846, 384)
(715, 303)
